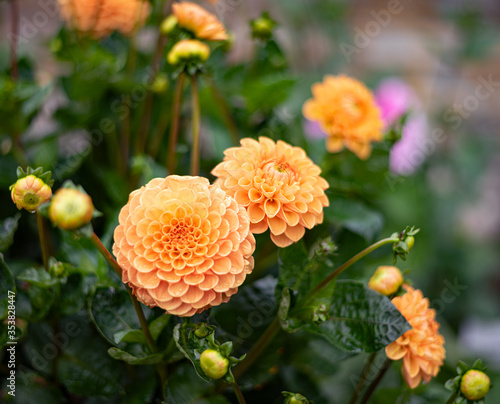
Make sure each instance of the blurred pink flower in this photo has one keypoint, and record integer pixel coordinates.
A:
(313, 130)
(409, 152)
(394, 98)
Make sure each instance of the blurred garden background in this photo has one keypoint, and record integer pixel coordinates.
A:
(443, 55)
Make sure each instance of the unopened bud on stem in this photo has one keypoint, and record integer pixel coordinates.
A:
(386, 280)
(213, 364)
(475, 384)
(71, 209)
(30, 192)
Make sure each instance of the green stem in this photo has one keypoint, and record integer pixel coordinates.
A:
(174, 128)
(137, 306)
(451, 400)
(225, 111)
(44, 239)
(195, 148)
(273, 328)
(239, 395)
(258, 348)
(362, 380)
(373, 385)
(148, 102)
(349, 262)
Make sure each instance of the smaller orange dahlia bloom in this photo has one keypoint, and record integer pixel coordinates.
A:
(278, 184)
(199, 21)
(422, 347)
(184, 245)
(347, 113)
(99, 18)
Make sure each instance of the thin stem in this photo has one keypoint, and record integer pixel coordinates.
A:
(451, 400)
(195, 148)
(14, 71)
(174, 128)
(362, 380)
(258, 348)
(44, 239)
(137, 306)
(349, 262)
(148, 102)
(373, 385)
(225, 111)
(239, 395)
(159, 132)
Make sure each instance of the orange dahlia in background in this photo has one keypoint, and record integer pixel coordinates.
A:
(421, 348)
(184, 245)
(347, 113)
(199, 21)
(99, 18)
(278, 184)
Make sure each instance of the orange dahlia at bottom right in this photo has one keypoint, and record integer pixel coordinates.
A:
(422, 347)
(346, 111)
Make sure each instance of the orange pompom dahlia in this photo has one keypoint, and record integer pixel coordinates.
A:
(184, 245)
(347, 113)
(99, 18)
(421, 348)
(278, 184)
(199, 21)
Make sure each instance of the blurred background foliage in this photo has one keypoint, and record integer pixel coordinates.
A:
(68, 113)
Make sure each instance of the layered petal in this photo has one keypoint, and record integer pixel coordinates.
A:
(184, 245)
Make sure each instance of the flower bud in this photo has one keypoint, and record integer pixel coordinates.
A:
(160, 84)
(263, 26)
(188, 50)
(213, 364)
(71, 209)
(410, 241)
(168, 24)
(475, 384)
(386, 280)
(30, 192)
(294, 398)
(201, 331)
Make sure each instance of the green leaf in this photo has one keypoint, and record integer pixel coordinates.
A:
(84, 367)
(39, 278)
(355, 216)
(7, 229)
(134, 360)
(357, 319)
(130, 336)
(113, 312)
(6, 285)
(191, 346)
(158, 325)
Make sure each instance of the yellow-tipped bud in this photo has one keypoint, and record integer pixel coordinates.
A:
(71, 209)
(30, 192)
(263, 26)
(188, 50)
(410, 241)
(386, 280)
(213, 364)
(475, 384)
(168, 24)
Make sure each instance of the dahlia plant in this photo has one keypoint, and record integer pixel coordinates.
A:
(236, 258)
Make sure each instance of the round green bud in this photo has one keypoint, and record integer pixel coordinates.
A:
(295, 399)
(213, 364)
(475, 384)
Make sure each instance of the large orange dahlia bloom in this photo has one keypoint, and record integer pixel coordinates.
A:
(421, 348)
(199, 21)
(278, 184)
(184, 245)
(99, 18)
(347, 113)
